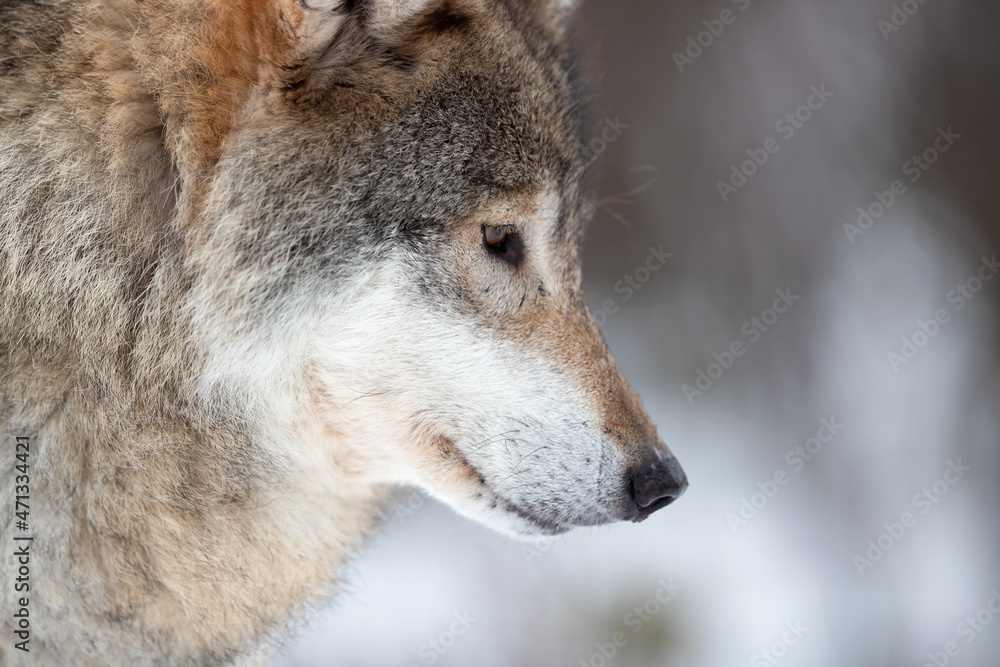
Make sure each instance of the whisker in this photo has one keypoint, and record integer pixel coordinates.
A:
(494, 438)
(514, 470)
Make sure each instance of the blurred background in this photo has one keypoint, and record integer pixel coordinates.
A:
(844, 468)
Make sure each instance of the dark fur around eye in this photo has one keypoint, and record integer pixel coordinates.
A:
(504, 242)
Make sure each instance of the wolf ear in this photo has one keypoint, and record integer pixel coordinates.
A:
(313, 28)
(564, 6)
(303, 24)
(550, 13)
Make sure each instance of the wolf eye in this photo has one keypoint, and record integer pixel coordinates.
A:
(504, 242)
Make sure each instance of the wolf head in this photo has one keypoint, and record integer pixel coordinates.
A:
(387, 206)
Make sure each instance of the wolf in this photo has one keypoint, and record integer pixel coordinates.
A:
(262, 264)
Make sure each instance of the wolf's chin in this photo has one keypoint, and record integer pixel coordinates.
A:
(538, 525)
(522, 527)
(503, 516)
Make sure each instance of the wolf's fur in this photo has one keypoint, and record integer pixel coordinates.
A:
(244, 294)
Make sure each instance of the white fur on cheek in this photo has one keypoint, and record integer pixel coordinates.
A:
(414, 392)
(403, 375)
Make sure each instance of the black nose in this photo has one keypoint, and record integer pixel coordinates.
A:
(656, 482)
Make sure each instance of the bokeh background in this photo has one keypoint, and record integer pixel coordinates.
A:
(436, 589)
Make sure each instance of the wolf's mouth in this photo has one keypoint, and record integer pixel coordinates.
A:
(547, 526)
(544, 525)
(642, 514)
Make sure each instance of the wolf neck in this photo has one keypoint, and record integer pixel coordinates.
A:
(188, 529)
(186, 535)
